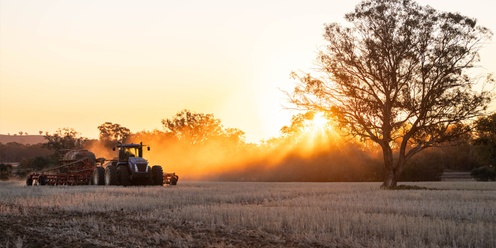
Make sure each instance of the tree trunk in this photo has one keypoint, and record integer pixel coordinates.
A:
(393, 174)
(390, 179)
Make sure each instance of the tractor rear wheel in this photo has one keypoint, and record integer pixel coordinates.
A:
(123, 175)
(158, 175)
(98, 177)
(111, 175)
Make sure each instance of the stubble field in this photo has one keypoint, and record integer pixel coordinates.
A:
(228, 214)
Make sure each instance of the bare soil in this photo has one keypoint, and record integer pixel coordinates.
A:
(43, 227)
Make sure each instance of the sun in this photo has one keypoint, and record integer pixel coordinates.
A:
(320, 121)
(316, 132)
(317, 123)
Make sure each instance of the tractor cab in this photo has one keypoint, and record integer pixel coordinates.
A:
(127, 151)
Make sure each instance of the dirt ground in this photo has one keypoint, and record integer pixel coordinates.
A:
(40, 227)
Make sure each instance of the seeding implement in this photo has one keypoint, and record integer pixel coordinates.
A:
(80, 167)
(76, 169)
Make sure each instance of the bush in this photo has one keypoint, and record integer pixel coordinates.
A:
(27, 166)
(422, 172)
(5, 171)
(484, 173)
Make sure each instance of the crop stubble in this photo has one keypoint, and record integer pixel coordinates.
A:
(228, 214)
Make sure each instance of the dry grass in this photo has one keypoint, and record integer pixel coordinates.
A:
(216, 214)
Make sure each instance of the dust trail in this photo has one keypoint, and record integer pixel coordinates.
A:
(303, 156)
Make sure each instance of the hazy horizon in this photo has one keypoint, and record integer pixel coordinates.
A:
(78, 64)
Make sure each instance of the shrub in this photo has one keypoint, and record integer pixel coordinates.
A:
(5, 171)
(422, 170)
(484, 173)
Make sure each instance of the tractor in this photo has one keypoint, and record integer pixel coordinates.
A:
(81, 167)
(128, 168)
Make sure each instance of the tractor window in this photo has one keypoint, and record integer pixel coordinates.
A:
(131, 152)
(127, 152)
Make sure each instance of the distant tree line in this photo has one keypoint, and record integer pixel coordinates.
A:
(25, 156)
(16, 152)
(200, 147)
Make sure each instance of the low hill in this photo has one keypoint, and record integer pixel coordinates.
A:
(22, 139)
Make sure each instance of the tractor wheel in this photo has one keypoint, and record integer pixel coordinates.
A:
(42, 180)
(111, 176)
(174, 179)
(29, 181)
(98, 177)
(149, 180)
(123, 175)
(158, 175)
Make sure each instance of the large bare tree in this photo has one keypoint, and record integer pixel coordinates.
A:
(399, 76)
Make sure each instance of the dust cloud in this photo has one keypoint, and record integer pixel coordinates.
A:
(101, 151)
(303, 156)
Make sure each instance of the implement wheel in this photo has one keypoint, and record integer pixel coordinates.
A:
(174, 179)
(42, 180)
(29, 181)
(111, 175)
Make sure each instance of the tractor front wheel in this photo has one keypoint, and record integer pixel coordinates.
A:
(123, 175)
(158, 175)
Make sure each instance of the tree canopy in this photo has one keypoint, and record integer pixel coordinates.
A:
(398, 75)
(64, 138)
(485, 139)
(111, 133)
(198, 128)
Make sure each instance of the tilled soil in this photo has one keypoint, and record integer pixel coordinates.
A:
(40, 227)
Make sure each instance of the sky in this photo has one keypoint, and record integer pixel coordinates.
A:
(78, 64)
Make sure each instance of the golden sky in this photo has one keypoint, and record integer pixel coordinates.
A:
(79, 64)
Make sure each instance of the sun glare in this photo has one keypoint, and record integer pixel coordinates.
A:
(317, 131)
(318, 123)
